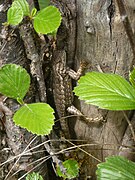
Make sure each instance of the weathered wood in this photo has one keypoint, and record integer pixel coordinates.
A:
(102, 41)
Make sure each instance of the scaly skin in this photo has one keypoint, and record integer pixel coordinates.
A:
(62, 88)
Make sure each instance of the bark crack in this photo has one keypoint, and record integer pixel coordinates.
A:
(111, 11)
(128, 27)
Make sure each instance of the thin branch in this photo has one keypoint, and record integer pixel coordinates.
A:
(26, 32)
(62, 151)
(20, 157)
(84, 151)
(130, 125)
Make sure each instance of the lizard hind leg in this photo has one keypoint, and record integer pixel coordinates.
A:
(73, 110)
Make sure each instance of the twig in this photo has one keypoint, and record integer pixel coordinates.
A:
(130, 125)
(84, 151)
(26, 32)
(54, 158)
(64, 150)
(20, 156)
(34, 167)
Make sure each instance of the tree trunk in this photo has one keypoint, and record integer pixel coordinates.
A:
(103, 42)
(93, 31)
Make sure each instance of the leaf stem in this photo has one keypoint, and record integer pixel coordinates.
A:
(20, 101)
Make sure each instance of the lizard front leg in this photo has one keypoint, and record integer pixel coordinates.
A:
(72, 109)
(76, 75)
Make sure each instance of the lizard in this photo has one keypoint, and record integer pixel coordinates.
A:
(62, 88)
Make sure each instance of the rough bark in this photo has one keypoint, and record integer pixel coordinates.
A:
(103, 42)
(15, 140)
(93, 31)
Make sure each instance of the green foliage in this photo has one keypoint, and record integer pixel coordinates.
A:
(72, 169)
(14, 15)
(111, 92)
(108, 91)
(115, 168)
(37, 118)
(23, 5)
(34, 176)
(14, 81)
(132, 78)
(47, 20)
(43, 3)
(33, 12)
(16, 12)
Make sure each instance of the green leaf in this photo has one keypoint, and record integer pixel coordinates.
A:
(47, 20)
(33, 12)
(108, 91)
(115, 168)
(132, 78)
(72, 169)
(34, 176)
(14, 15)
(37, 118)
(14, 81)
(43, 3)
(54, 33)
(22, 4)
